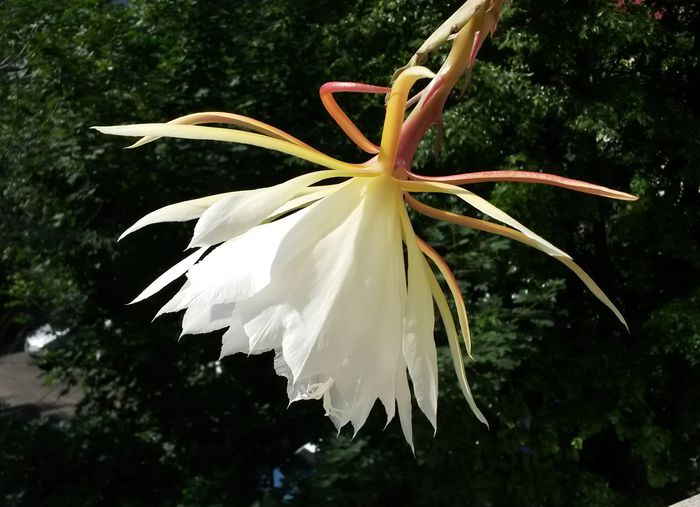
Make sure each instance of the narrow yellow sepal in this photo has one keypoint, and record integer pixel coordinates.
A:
(453, 341)
(227, 135)
(396, 106)
(509, 233)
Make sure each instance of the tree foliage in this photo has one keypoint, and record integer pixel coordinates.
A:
(582, 413)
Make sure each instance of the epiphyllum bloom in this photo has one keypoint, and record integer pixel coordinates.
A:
(333, 278)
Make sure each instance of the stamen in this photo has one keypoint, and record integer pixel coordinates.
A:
(476, 46)
(413, 100)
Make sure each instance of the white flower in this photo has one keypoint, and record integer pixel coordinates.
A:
(333, 278)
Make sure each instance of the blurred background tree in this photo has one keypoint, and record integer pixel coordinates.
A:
(582, 413)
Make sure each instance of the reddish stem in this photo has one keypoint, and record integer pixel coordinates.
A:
(526, 177)
(345, 123)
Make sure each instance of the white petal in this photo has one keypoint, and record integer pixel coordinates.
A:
(235, 270)
(345, 305)
(326, 288)
(311, 390)
(179, 212)
(418, 339)
(177, 302)
(489, 209)
(235, 339)
(205, 319)
(453, 340)
(227, 135)
(242, 211)
(170, 275)
(305, 199)
(403, 400)
(335, 302)
(282, 369)
(485, 207)
(265, 328)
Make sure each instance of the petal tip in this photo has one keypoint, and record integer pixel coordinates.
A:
(624, 323)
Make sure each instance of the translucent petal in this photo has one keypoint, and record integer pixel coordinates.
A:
(403, 400)
(229, 118)
(179, 212)
(304, 199)
(453, 285)
(237, 269)
(520, 237)
(170, 275)
(239, 212)
(485, 207)
(594, 288)
(226, 135)
(328, 273)
(205, 319)
(237, 341)
(419, 322)
(455, 350)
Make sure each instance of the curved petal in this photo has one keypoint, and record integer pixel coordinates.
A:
(485, 207)
(454, 290)
(226, 135)
(403, 401)
(500, 230)
(345, 123)
(310, 390)
(228, 118)
(304, 198)
(527, 177)
(178, 212)
(170, 275)
(395, 109)
(205, 319)
(419, 323)
(239, 212)
(234, 346)
(327, 273)
(594, 288)
(455, 349)
(235, 270)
